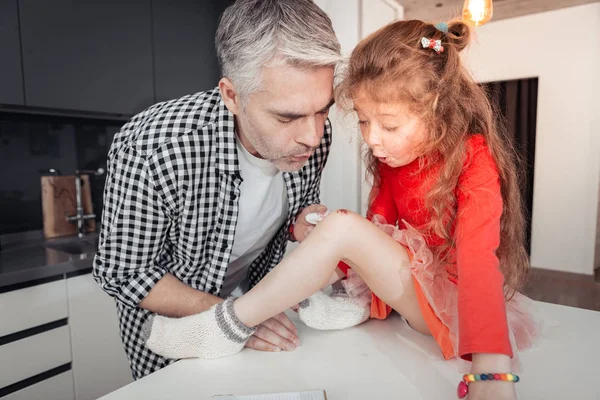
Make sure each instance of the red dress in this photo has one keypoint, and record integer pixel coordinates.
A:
(463, 302)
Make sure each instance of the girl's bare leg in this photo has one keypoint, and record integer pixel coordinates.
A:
(375, 256)
(222, 330)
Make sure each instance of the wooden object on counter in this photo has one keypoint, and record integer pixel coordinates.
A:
(59, 201)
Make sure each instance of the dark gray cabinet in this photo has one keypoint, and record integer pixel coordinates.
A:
(184, 52)
(91, 55)
(11, 74)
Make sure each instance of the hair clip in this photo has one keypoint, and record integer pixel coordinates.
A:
(432, 44)
(442, 27)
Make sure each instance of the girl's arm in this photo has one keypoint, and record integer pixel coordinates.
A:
(483, 325)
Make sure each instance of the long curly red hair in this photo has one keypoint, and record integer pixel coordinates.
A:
(391, 66)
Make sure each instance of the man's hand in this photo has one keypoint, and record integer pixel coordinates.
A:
(275, 334)
(302, 227)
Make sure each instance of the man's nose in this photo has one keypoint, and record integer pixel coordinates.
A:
(311, 132)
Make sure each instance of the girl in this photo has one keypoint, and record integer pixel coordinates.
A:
(441, 167)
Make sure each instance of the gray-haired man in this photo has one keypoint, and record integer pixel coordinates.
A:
(202, 191)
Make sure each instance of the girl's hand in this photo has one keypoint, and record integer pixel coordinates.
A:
(488, 390)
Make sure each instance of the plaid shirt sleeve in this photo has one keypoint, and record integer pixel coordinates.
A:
(135, 223)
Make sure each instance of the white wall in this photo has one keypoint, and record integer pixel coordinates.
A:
(339, 184)
(562, 48)
(597, 251)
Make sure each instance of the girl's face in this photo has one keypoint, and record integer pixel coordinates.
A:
(391, 132)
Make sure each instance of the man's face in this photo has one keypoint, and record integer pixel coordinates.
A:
(284, 120)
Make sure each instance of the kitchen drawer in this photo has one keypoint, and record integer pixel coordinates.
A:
(33, 306)
(59, 387)
(33, 355)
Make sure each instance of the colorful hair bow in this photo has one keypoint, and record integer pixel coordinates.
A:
(432, 44)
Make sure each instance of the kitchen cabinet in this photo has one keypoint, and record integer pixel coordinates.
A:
(60, 340)
(106, 57)
(87, 55)
(33, 355)
(185, 59)
(99, 362)
(33, 306)
(11, 73)
(59, 387)
(35, 346)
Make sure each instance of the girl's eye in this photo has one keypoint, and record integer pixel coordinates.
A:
(363, 122)
(285, 122)
(390, 129)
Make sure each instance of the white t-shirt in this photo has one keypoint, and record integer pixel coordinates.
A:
(263, 208)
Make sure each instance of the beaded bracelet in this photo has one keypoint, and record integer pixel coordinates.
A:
(463, 386)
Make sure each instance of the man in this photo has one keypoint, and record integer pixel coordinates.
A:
(202, 192)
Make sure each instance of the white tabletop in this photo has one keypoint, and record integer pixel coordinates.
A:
(384, 360)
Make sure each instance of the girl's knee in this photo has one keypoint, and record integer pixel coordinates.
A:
(342, 218)
(342, 225)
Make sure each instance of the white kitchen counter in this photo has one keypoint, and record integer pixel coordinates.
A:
(384, 360)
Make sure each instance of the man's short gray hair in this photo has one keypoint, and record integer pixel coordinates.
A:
(252, 33)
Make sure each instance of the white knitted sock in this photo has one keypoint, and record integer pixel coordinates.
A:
(214, 333)
(335, 311)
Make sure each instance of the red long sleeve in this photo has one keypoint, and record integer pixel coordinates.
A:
(384, 204)
(481, 308)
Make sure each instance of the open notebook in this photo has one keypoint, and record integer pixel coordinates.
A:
(311, 395)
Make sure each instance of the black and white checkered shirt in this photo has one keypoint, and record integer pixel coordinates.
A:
(171, 205)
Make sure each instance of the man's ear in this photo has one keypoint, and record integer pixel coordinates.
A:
(230, 96)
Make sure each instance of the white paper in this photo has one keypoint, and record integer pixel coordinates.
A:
(312, 395)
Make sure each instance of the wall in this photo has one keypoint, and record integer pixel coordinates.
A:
(562, 48)
(597, 249)
(340, 181)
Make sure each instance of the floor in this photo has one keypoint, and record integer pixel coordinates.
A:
(575, 290)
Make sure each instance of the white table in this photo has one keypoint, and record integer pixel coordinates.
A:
(383, 360)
